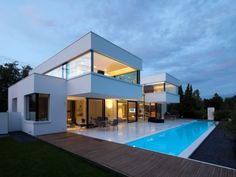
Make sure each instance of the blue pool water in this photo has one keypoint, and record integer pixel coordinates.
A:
(175, 140)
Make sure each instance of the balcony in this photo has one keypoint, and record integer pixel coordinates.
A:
(99, 86)
(162, 97)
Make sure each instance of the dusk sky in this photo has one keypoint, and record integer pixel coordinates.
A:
(194, 40)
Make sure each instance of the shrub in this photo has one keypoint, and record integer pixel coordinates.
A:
(221, 115)
(200, 114)
(232, 124)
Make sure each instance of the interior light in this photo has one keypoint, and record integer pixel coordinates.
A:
(109, 104)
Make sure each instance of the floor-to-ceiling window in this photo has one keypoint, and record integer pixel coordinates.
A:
(152, 110)
(76, 111)
(127, 111)
(112, 68)
(141, 110)
(95, 111)
(132, 111)
(111, 109)
(122, 110)
(76, 67)
(79, 66)
(37, 107)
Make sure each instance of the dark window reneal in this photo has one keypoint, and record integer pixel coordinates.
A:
(37, 107)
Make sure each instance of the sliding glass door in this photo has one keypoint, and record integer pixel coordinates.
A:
(122, 110)
(95, 110)
(132, 111)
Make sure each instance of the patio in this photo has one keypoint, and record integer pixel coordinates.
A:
(126, 132)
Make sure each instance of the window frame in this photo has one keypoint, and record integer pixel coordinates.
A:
(36, 107)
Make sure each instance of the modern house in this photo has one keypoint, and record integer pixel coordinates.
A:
(89, 81)
(159, 90)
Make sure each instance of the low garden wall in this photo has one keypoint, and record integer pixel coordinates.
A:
(10, 122)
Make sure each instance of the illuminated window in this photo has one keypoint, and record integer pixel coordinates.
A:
(158, 88)
(57, 72)
(170, 88)
(110, 67)
(79, 66)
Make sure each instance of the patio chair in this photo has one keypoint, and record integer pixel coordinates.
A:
(114, 123)
(100, 122)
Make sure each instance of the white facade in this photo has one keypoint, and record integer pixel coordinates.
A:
(162, 89)
(87, 85)
(161, 96)
(90, 78)
(90, 41)
(36, 83)
(99, 86)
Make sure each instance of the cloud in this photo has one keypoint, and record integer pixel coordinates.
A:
(193, 40)
(33, 14)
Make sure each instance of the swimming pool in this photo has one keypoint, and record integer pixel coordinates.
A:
(175, 140)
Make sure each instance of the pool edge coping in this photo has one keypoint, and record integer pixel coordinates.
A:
(185, 123)
(192, 147)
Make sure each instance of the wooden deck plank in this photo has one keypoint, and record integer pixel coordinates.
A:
(133, 161)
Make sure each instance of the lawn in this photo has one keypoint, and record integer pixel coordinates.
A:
(38, 159)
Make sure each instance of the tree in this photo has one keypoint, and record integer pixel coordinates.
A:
(216, 101)
(181, 98)
(10, 73)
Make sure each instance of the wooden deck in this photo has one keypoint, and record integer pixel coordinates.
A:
(131, 161)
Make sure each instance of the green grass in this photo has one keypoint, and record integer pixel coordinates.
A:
(38, 159)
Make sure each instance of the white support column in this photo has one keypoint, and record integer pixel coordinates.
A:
(163, 109)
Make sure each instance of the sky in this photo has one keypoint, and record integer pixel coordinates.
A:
(193, 40)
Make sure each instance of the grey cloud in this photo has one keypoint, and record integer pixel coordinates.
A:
(193, 40)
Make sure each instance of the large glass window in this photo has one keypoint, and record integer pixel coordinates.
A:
(76, 111)
(57, 72)
(132, 111)
(159, 88)
(42, 107)
(110, 67)
(152, 110)
(122, 110)
(162, 87)
(95, 111)
(110, 109)
(37, 107)
(79, 66)
(141, 110)
(171, 88)
(76, 67)
(31, 107)
(129, 77)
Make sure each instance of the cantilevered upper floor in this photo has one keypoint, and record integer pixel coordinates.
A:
(162, 88)
(93, 58)
(92, 53)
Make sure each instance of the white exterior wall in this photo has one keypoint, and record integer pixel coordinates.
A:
(84, 44)
(36, 83)
(14, 119)
(99, 86)
(3, 123)
(88, 85)
(158, 78)
(163, 97)
(105, 47)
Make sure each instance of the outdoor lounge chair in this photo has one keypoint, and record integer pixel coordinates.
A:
(155, 120)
